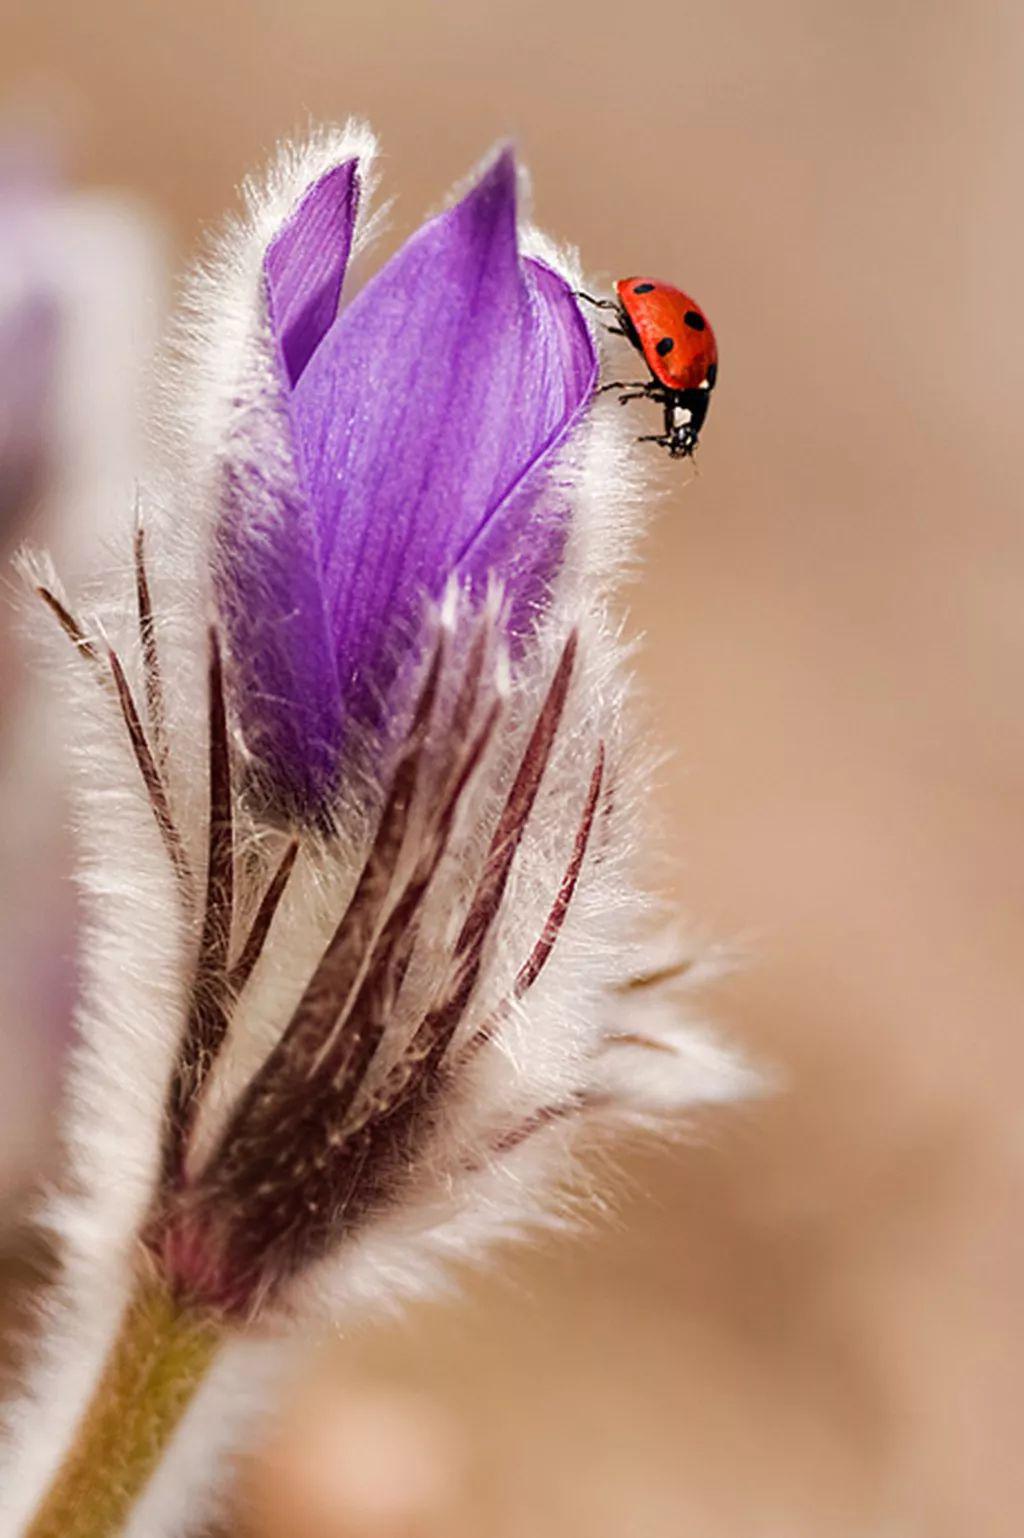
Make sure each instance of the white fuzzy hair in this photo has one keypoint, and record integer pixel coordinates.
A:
(581, 1037)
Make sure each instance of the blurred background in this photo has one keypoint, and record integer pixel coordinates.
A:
(807, 1322)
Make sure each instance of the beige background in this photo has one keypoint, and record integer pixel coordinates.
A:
(808, 1326)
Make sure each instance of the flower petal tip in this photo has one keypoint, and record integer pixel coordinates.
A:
(305, 264)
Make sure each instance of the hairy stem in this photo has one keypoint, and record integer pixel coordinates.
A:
(160, 1357)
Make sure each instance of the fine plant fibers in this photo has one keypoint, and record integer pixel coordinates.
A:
(367, 962)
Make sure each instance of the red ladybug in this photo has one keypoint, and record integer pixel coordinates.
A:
(671, 333)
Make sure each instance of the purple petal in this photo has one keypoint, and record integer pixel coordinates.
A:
(525, 565)
(284, 675)
(286, 686)
(305, 265)
(426, 414)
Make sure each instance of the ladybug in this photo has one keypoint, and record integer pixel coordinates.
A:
(673, 336)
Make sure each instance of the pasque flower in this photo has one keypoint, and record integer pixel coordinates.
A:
(358, 791)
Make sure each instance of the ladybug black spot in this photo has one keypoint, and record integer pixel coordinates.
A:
(644, 288)
(664, 347)
(712, 375)
(694, 321)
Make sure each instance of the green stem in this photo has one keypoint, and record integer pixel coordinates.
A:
(160, 1357)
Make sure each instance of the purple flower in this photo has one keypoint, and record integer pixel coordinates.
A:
(316, 1071)
(29, 324)
(416, 433)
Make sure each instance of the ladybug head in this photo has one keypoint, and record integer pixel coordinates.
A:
(685, 411)
(681, 441)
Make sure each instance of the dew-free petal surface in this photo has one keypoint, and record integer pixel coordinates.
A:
(288, 696)
(435, 393)
(305, 265)
(286, 689)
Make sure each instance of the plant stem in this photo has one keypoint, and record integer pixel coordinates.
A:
(160, 1357)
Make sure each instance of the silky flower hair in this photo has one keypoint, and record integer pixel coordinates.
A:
(359, 782)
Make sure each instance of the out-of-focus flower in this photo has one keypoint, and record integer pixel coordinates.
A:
(28, 329)
(79, 291)
(361, 1460)
(367, 938)
(30, 317)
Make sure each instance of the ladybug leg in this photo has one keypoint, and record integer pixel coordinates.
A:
(599, 304)
(605, 303)
(639, 386)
